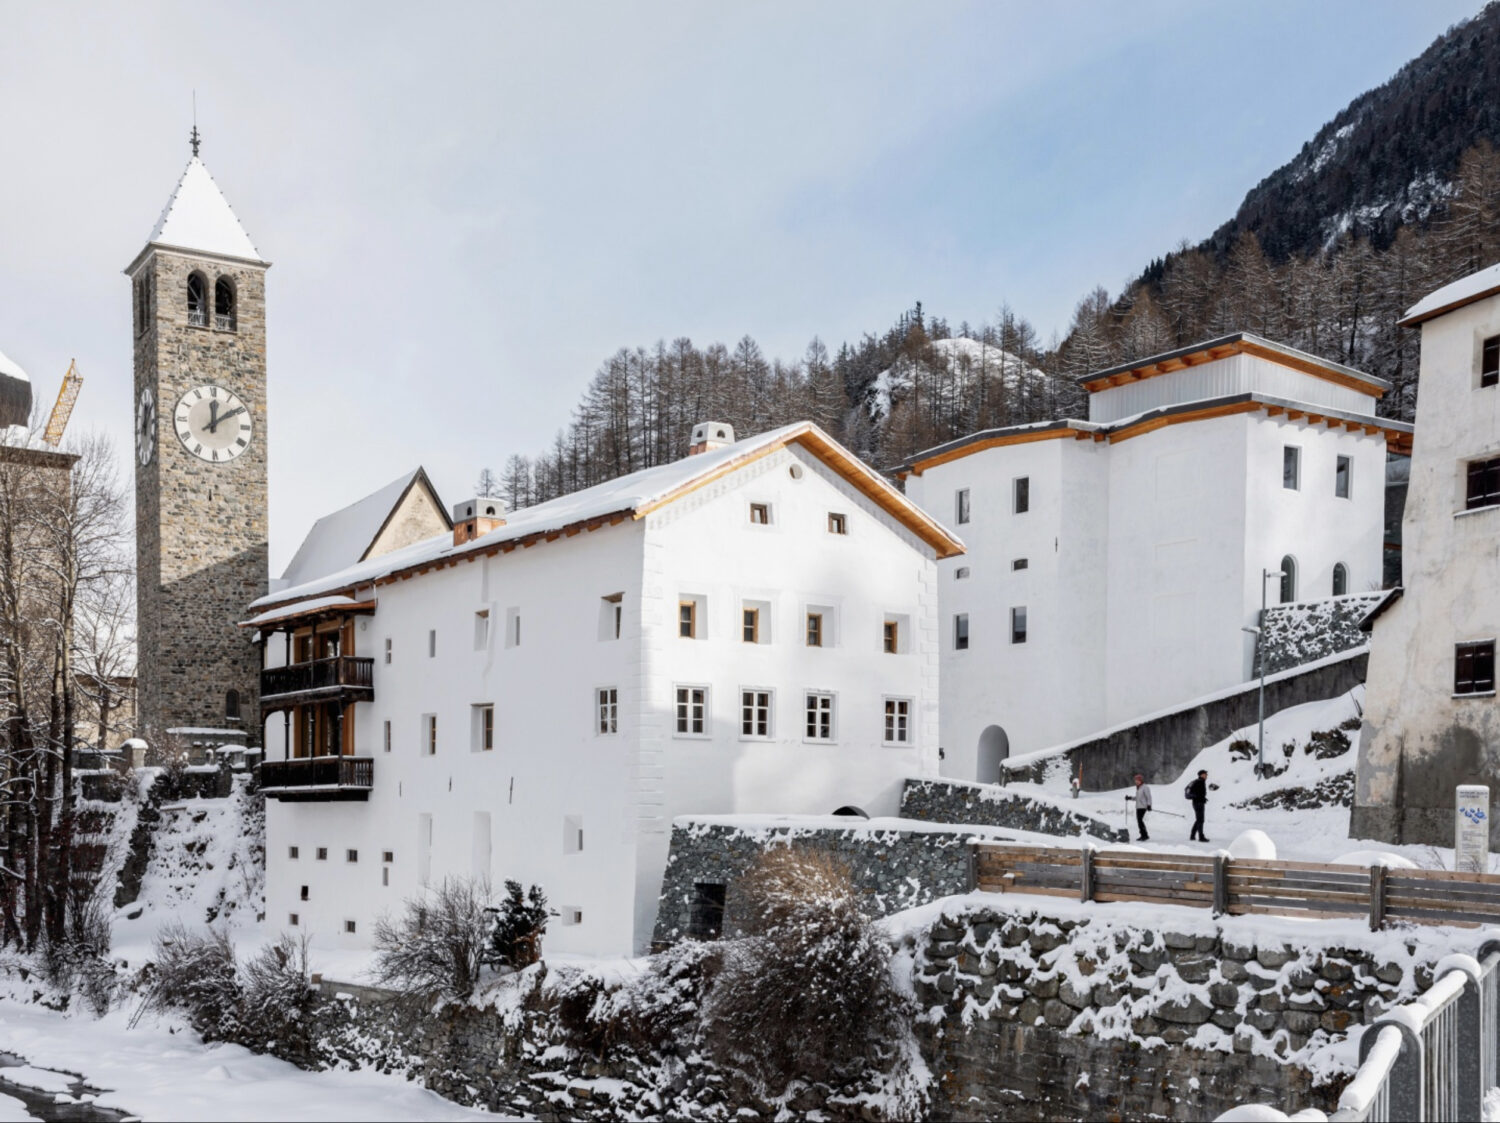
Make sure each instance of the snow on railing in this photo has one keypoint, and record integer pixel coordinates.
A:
(1429, 1059)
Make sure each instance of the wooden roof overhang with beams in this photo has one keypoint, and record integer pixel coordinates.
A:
(311, 617)
(1210, 352)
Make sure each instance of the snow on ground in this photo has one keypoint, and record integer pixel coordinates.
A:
(159, 1074)
(1304, 834)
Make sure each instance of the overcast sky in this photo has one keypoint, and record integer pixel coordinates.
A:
(469, 206)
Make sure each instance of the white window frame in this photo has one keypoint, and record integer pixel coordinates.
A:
(891, 713)
(756, 693)
(706, 716)
(607, 711)
(815, 704)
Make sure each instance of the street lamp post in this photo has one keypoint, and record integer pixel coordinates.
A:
(1260, 657)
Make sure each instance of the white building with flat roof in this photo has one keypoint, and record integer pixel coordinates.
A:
(1113, 564)
(535, 695)
(1430, 719)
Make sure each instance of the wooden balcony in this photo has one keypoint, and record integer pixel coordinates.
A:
(342, 678)
(318, 778)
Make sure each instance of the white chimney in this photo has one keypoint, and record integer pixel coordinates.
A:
(475, 517)
(709, 435)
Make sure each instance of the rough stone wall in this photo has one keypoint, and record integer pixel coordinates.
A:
(894, 869)
(1293, 634)
(201, 551)
(416, 519)
(1162, 747)
(950, 801)
(1036, 1018)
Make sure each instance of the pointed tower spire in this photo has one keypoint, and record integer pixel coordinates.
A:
(198, 218)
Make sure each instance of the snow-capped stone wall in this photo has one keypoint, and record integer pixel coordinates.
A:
(952, 801)
(1294, 634)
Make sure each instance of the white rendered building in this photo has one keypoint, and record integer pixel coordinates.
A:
(1430, 720)
(1113, 563)
(750, 629)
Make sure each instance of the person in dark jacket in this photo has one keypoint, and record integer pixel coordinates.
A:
(1197, 793)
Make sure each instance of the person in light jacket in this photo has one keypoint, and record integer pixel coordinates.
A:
(1142, 799)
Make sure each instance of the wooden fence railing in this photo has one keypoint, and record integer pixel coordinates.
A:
(1236, 886)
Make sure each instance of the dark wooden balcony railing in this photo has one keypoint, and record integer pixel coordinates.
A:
(318, 778)
(347, 675)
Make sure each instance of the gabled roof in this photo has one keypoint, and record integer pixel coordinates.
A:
(1241, 342)
(630, 497)
(1451, 297)
(198, 219)
(344, 538)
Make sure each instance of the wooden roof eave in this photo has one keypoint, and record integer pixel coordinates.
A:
(311, 616)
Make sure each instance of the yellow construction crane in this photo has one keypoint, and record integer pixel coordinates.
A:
(63, 409)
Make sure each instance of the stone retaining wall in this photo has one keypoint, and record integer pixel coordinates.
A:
(951, 801)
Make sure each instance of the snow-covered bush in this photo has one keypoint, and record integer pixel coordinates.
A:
(277, 998)
(520, 924)
(196, 973)
(653, 1012)
(79, 962)
(807, 994)
(438, 943)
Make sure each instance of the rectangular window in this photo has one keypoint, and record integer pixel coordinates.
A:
(387, 649)
(1474, 668)
(837, 524)
(572, 834)
(429, 734)
(322, 853)
(349, 927)
(814, 629)
(897, 721)
(293, 919)
(609, 709)
(760, 514)
(482, 727)
(692, 710)
(570, 915)
(1022, 495)
(961, 632)
(386, 735)
(1018, 625)
(687, 619)
(292, 853)
(961, 505)
(387, 855)
(961, 573)
(706, 918)
(891, 637)
(1484, 484)
(432, 644)
(611, 615)
(1489, 363)
(819, 717)
(385, 876)
(755, 713)
(481, 629)
(304, 895)
(750, 625)
(1291, 467)
(1020, 563)
(1343, 469)
(512, 627)
(351, 855)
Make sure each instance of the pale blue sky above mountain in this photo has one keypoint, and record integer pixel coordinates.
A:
(470, 206)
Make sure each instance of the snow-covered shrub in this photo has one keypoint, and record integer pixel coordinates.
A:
(196, 973)
(437, 944)
(653, 1012)
(277, 998)
(79, 962)
(807, 994)
(520, 924)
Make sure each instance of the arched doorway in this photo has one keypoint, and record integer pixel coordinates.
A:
(994, 746)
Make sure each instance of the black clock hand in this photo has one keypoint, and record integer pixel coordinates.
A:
(231, 413)
(213, 416)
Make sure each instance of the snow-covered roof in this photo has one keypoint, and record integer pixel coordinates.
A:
(344, 538)
(1465, 290)
(312, 607)
(1236, 343)
(635, 496)
(198, 218)
(15, 393)
(12, 369)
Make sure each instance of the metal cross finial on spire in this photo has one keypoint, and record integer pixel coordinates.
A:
(194, 139)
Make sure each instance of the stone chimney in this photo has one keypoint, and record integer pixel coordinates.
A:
(709, 435)
(475, 517)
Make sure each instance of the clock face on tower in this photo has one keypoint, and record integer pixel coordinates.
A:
(212, 423)
(145, 426)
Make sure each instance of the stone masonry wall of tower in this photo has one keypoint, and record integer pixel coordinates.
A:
(200, 527)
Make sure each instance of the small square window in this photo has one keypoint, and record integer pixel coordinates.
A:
(351, 855)
(837, 524)
(760, 514)
(755, 713)
(814, 629)
(304, 894)
(1483, 484)
(1489, 362)
(349, 927)
(961, 632)
(961, 573)
(322, 853)
(961, 505)
(1018, 625)
(1474, 668)
(292, 853)
(293, 919)
(819, 717)
(1022, 495)
(609, 710)
(1342, 471)
(897, 721)
(388, 856)
(570, 915)
(891, 637)
(1021, 563)
(692, 710)
(750, 625)
(1291, 467)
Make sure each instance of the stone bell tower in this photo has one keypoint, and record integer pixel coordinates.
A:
(199, 328)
